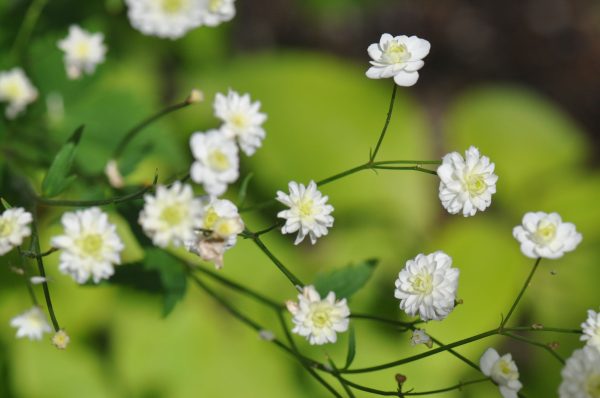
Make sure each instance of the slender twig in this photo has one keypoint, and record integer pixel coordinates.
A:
(525, 285)
(386, 124)
(29, 21)
(415, 168)
(30, 254)
(23, 268)
(288, 274)
(411, 393)
(542, 329)
(535, 343)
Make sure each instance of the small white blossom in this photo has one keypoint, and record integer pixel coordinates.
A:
(171, 215)
(216, 11)
(220, 224)
(216, 162)
(38, 280)
(242, 120)
(165, 18)
(61, 340)
(502, 370)
(90, 245)
(466, 185)
(545, 235)
(31, 324)
(17, 90)
(399, 57)
(309, 213)
(14, 227)
(591, 329)
(420, 337)
(427, 285)
(83, 51)
(319, 320)
(581, 375)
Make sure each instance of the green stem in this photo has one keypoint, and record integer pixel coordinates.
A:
(30, 254)
(415, 168)
(386, 124)
(542, 329)
(537, 344)
(402, 394)
(29, 21)
(26, 277)
(291, 277)
(527, 281)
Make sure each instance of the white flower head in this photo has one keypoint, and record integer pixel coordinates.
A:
(319, 320)
(170, 19)
(581, 375)
(420, 337)
(90, 245)
(308, 214)
(242, 120)
(31, 324)
(217, 11)
(399, 57)
(83, 51)
(171, 215)
(427, 285)
(591, 329)
(220, 223)
(466, 184)
(217, 161)
(545, 235)
(17, 90)
(14, 227)
(61, 340)
(502, 370)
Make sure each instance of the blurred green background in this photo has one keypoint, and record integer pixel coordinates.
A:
(483, 85)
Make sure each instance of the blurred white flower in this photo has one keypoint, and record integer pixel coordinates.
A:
(545, 235)
(427, 285)
(171, 215)
(14, 227)
(502, 370)
(420, 337)
(220, 224)
(466, 185)
(83, 51)
(90, 245)
(591, 329)
(216, 162)
(581, 374)
(61, 340)
(165, 18)
(319, 320)
(242, 120)
(309, 213)
(115, 178)
(399, 57)
(216, 11)
(38, 280)
(17, 90)
(31, 324)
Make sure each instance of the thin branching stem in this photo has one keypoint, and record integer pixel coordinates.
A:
(537, 344)
(525, 286)
(288, 274)
(386, 124)
(23, 268)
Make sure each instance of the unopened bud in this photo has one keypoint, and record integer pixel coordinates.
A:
(37, 280)
(554, 345)
(115, 179)
(537, 326)
(266, 335)
(195, 96)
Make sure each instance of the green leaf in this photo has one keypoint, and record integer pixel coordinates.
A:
(351, 348)
(345, 281)
(244, 189)
(5, 204)
(172, 276)
(57, 179)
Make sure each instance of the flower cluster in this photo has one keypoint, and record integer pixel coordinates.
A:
(31, 324)
(502, 370)
(17, 90)
(83, 51)
(14, 227)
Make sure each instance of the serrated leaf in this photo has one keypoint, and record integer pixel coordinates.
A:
(172, 276)
(57, 179)
(344, 282)
(351, 348)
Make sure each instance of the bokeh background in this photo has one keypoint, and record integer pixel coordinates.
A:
(517, 79)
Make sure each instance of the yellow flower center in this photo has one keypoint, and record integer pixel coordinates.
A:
(239, 121)
(476, 184)
(172, 6)
(546, 232)
(593, 385)
(305, 208)
(218, 160)
(82, 49)
(6, 227)
(91, 244)
(210, 218)
(423, 283)
(172, 215)
(320, 318)
(213, 5)
(227, 227)
(396, 53)
(13, 90)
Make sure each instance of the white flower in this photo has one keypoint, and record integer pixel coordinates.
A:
(545, 235)
(591, 329)
(309, 212)
(90, 245)
(17, 90)
(399, 57)
(216, 162)
(171, 215)
(216, 11)
(83, 51)
(466, 185)
(319, 320)
(242, 120)
(165, 18)
(427, 285)
(31, 324)
(502, 370)
(420, 337)
(581, 375)
(14, 226)
(61, 340)
(220, 224)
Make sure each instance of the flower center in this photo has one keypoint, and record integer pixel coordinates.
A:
(14, 90)
(172, 215)
(320, 318)
(172, 6)
(227, 227)
(91, 244)
(210, 218)
(305, 208)
(6, 228)
(239, 121)
(546, 232)
(476, 184)
(214, 5)
(396, 53)
(218, 160)
(82, 49)
(423, 283)
(593, 385)
(503, 370)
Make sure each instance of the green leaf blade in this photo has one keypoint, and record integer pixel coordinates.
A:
(346, 281)
(57, 178)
